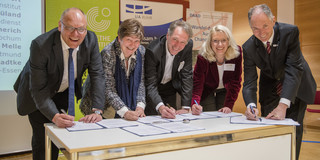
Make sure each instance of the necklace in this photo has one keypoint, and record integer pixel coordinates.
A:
(220, 63)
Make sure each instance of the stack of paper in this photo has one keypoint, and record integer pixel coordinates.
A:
(223, 115)
(80, 126)
(264, 121)
(146, 130)
(117, 123)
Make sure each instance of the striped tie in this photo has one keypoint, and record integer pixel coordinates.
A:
(268, 47)
(279, 87)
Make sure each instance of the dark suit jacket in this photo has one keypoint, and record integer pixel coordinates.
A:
(206, 80)
(155, 58)
(285, 64)
(41, 77)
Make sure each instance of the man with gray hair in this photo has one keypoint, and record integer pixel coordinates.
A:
(168, 70)
(286, 83)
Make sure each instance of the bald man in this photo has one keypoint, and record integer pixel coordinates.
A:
(42, 87)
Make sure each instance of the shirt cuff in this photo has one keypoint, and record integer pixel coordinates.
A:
(158, 106)
(122, 111)
(141, 104)
(251, 104)
(186, 107)
(285, 101)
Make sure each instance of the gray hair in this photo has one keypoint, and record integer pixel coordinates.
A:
(207, 52)
(258, 8)
(184, 25)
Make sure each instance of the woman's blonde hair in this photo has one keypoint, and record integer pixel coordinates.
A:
(207, 52)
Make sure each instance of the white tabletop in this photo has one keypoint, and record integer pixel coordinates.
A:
(117, 137)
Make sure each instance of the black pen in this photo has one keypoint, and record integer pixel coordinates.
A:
(169, 105)
(171, 108)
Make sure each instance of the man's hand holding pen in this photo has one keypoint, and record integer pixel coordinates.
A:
(252, 113)
(167, 111)
(63, 120)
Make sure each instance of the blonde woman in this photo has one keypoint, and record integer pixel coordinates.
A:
(217, 73)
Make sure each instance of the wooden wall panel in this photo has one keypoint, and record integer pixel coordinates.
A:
(307, 19)
(241, 29)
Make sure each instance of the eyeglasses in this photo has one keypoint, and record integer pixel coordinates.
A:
(80, 30)
(223, 41)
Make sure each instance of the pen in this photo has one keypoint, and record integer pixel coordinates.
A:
(63, 111)
(251, 107)
(169, 105)
(196, 102)
(172, 110)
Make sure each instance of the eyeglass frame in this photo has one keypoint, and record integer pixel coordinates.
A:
(223, 41)
(71, 28)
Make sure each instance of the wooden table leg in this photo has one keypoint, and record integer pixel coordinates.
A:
(48, 147)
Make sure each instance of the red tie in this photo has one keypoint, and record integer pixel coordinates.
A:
(279, 88)
(268, 47)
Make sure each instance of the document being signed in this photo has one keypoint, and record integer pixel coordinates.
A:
(263, 121)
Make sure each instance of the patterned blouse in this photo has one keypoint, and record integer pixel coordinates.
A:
(109, 54)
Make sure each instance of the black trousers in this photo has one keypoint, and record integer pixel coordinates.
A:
(295, 112)
(168, 96)
(214, 101)
(37, 120)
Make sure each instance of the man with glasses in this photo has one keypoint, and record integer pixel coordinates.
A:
(52, 76)
(168, 70)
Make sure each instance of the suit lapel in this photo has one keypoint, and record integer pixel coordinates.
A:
(261, 51)
(262, 58)
(163, 56)
(275, 48)
(215, 72)
(176, 63)
(57, 49)
(80, 57)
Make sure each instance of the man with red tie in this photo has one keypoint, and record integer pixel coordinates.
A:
(286, 84)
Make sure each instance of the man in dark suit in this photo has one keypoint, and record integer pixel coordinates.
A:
(286, 83)
(168, 70)
(42, 86)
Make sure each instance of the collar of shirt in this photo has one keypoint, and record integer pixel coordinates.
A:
(168, 66)
(270, 40)
(122, 58)
(132, 56)
(65, 47)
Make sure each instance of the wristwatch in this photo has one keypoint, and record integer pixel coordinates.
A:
(98, 112)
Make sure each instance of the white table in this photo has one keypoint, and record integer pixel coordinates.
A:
(220, 140)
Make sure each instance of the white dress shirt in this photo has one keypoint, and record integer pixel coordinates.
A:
(65, 49)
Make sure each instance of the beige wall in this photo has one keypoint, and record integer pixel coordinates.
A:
(307, 19)
(285, 11)
(202, 5)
